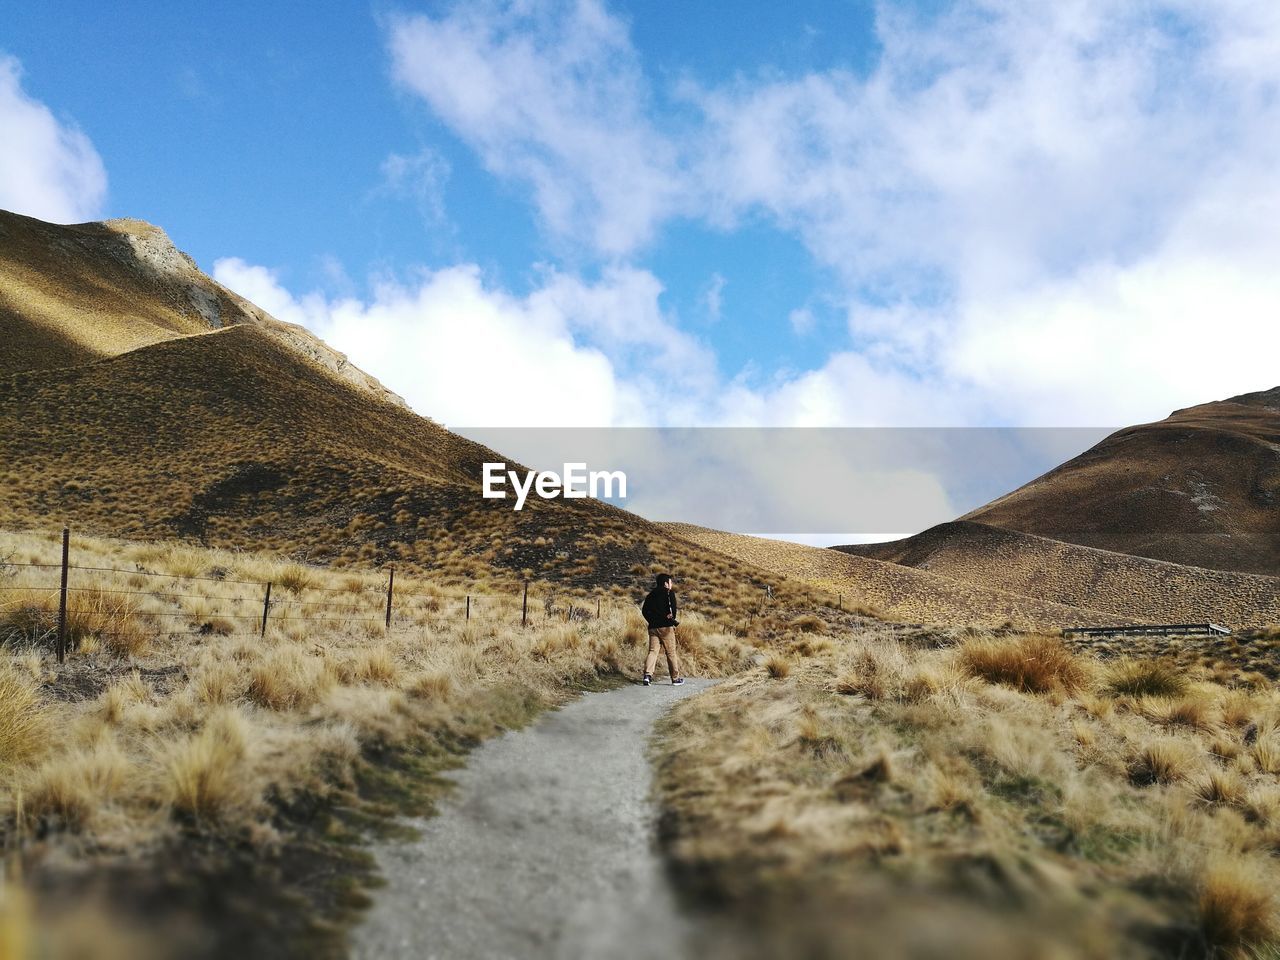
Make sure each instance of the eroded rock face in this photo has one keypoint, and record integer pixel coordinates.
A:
(155, 253)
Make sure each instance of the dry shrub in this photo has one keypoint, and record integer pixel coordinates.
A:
(287, 679)
(1145, 678)
(777, 666)
(1237, 906)
(206, 777)
(23, 720)
(1033, 664)
(1161, 761)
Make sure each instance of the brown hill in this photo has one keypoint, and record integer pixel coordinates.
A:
(74, 294)
(1200, 488)
(232, 438)
(1127, 586)
(891, 590)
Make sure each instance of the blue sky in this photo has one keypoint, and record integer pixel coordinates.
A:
(981, 212)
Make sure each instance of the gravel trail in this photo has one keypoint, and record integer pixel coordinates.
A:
(544, 850)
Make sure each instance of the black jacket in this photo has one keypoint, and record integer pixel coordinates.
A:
(657, 605)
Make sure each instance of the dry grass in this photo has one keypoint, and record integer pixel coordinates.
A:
(1034, 664)
(23, 719)
(206, 775)
(886, 786)
(193, 731)
(288, 679)
(1162, 760)
(777, 666)
(1237, 905)
(1145, 678)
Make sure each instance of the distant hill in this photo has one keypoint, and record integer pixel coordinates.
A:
(897, 592)
(1199, 488)
(1050, 570)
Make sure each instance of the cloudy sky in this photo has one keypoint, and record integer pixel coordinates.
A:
(982, 212)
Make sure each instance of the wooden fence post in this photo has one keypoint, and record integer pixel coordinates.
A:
(62, 597)
(468, 606)
(391, 586)
(597, 608)
(266, 608)
(524, 609)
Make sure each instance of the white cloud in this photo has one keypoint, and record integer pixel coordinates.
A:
(48, 168)
(570, 353)
(551, 94)
(1039, 213)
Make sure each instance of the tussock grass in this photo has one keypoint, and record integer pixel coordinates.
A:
(1162, 760)
(1217, 787)
(206, 775)
(1033, 664)
(68, 790)
(287, 679)
(1237, 907)
(949, 783)
(23, 719)
(777, 666)
(1145, 678)
(94, 617)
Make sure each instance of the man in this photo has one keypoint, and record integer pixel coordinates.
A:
(659, 611)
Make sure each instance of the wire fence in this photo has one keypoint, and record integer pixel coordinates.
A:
(63, 603)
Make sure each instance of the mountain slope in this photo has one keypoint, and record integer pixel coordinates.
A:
(1200, 488)
(235, 439)
(74, 294)
(1057, 572)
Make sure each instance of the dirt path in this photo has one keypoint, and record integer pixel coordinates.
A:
(545, 850)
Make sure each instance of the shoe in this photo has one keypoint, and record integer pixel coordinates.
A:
(646, 679)
(677, 681)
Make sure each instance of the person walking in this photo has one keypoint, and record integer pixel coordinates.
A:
(659, 610)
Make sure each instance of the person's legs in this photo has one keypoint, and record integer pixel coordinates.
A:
(652, 660)
(668, 637)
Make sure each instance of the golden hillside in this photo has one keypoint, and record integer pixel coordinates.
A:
(896, 592)
(1200, 488)
(74, 294)
(234, 439)
(1127, 586)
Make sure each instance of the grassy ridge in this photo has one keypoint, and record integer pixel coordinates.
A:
(1128, 587)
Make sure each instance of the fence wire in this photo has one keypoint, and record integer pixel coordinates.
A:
(42, 610)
